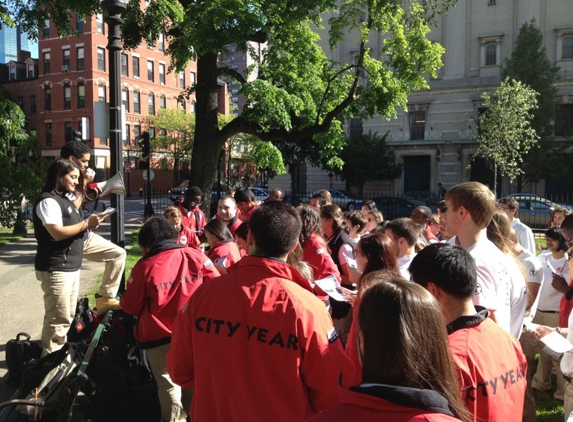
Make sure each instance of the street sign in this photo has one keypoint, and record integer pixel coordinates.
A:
(127, 168)
(151, 175)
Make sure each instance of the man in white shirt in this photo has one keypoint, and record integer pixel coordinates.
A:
(470, 208)
(404, 233)
(511, 207)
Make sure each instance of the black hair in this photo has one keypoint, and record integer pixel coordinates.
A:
(154, 231)
(242, 230)
(276, 227)
(568, 222)
(450, 267)
(56, 172)
(556, 234)
(243, 195)
(193, 191)
(219, 229)
(321, 198)
(74, 149)
(442, 206)
(406, 228)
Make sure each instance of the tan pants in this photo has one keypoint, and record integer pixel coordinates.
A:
(529, 345)
(175, 401)
(98, 249)
(60, 299)
(546, 365)
(568, 405)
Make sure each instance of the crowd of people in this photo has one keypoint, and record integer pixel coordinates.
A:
(271, 312)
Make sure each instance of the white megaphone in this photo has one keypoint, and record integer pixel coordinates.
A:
(101, 189)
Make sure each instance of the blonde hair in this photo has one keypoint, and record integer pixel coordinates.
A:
(172, 211)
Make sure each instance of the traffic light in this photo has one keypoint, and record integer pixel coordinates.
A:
(144, 144)
(254, 169)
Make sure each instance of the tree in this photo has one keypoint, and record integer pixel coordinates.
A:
(367, 157)
(22, 170)
(529, 64)
(177, 140)
(268, 159)
(297, 98)
(504, 130)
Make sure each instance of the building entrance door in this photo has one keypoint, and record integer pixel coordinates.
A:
(417, 173)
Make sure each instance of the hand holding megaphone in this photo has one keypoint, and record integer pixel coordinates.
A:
(101, 189)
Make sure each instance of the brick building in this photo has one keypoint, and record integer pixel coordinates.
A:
(72, 74)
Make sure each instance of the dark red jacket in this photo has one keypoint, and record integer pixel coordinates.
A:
(224, 254)
(491, 367)
(378, 402)
(316, 254)
(159, 285)
(192, 217)
(232, 224)
(188, 237)
(257, 345)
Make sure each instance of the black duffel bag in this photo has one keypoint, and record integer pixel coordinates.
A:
(18, 352)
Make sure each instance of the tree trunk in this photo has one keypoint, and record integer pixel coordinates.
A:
(208, 140)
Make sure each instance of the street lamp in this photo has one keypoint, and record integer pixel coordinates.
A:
(113, 10)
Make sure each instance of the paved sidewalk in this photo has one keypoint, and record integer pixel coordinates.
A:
(21, 298)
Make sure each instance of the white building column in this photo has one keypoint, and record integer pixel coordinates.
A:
(454, 42)
(527, 10)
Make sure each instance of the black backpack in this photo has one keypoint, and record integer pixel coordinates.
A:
(18, 352)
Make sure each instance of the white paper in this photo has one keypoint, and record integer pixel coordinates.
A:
(557, 342)
(351, 262)
(331, 287)
(110, 210)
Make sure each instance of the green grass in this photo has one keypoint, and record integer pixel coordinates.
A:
(133, 254)
(6, 235)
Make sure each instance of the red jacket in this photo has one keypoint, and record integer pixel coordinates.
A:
(352, 342)
(247, 216)
(377, 402)
(159, 285)
(232, 224)
(317, 255)
(257, 345)
(491, 367)
(190, 217)
(224, 254)
(188, 237)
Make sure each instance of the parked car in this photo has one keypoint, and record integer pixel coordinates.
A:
(341, 199)
(297, 199)
(423, 197)
(535, 211)
(394, 206)
(535, 196)
(260, 194)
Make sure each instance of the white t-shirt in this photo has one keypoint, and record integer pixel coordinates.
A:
(493, 290)
(403, 264)
(518, 297)
(532, 267)
(549, 298)
(524, 234)
(49, 211)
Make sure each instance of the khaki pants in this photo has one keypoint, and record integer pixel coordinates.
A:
(98, 249)
(175, 401)
(546, 365)
(60, 299)
(568, 405)
(529, 345)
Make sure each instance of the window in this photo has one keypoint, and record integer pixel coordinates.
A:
(135, 65)
(564, 120)
(20, 102)
(127, 134)
(151, 103)
(243, 58)
(124, 67)
(66, 59)
(182, 105)
(102, 93)
(162, 102)
(81, 95)
(417, 125)
(46, 28)
(12, 73)
(68, 131)
(101, 59)
(48, 134)
(136, 132)
(192, 78)
(80, 58)
(161, 42)
(125, 99)
(181, 80)
(30, 70)
(150, 71)
(67, 97)
(79, 24)
(491, 2)
(32, 103)
(161, 73)
(355, 127)
(100, 24)
(567, 52)
(490, 54)
(47, 99)
(136, 103)
(192, 107)
(46, 63)
(235, 99)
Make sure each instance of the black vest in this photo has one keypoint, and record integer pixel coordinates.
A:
(64, 255)
(339, 309)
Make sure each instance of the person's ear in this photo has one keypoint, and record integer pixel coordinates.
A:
(433, 289)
